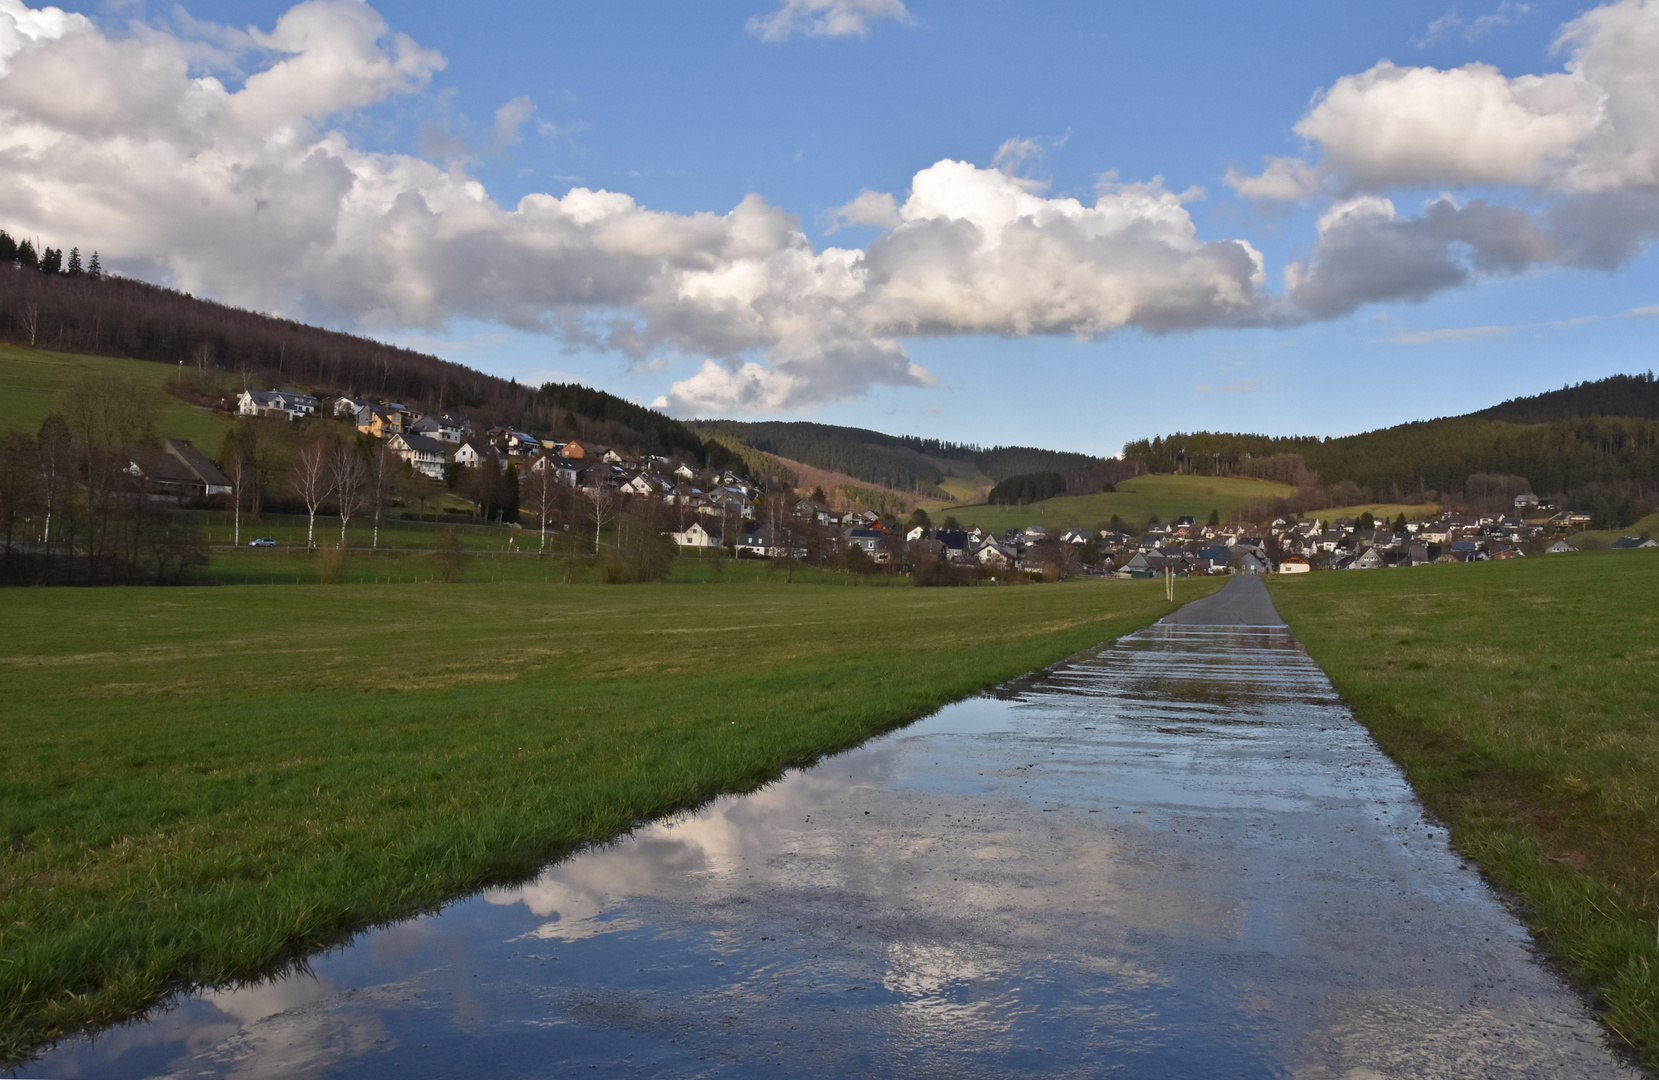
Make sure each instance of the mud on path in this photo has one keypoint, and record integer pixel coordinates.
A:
(1179, 857)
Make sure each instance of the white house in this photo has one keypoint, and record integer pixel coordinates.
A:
(290, 403)
(685, 472)
(349, 407)
(472, 453)
(993, 555)
(424, 455)
(445, 427)
(696, 536)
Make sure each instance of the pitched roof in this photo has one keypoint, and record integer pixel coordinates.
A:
(197, 462)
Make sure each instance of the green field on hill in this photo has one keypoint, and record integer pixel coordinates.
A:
(1521, 699)
(1166, 495)
(200, 783)
(1380, 511)
(31, 378)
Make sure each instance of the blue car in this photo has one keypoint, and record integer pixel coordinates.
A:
(263, 541)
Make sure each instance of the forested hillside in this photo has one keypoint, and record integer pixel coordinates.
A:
(1568, 443)
(907, 463)
(1620, 395)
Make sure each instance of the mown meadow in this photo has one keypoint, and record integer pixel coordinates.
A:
(1522, 699)
(199, 785)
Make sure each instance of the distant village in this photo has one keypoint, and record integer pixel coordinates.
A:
(724, 511)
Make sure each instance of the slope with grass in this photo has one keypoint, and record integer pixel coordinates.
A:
(1520, 698)
(1167, 495)
(31, 378)
(199, 784)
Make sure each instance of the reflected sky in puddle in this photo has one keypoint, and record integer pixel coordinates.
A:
(1180, 857)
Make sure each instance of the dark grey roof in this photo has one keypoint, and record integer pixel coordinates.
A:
(197, 462)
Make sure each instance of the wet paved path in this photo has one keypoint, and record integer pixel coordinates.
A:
(1180, 857)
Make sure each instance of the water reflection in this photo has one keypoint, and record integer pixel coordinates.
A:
(1177, 857)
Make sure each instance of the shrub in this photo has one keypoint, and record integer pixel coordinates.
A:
(450, 559)
(331, 564)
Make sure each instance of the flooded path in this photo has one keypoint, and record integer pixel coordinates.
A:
(1179, 857)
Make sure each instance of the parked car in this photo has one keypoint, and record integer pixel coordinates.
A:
(263, 541)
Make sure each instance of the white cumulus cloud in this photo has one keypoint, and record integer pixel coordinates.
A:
(824, 18)
(250, 195)
(1579, 146)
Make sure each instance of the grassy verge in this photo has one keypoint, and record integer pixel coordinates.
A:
(199, 784)
(1522, 698)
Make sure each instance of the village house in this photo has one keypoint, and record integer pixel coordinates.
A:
(445, 427)
(288, 403)
(471, 454)
(423, 454)
(578, 450)
(178, 469)
(379, 421)
(696, 536)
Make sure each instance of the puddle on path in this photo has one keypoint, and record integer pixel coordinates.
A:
(1177, 858)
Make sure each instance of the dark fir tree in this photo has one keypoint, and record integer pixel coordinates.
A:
(93, 270)
(74, 269)
(26, 257)
(8, 248)
(51, 260)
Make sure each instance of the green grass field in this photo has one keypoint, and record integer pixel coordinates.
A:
(199, 784)
(1380, 511)
(1522, 698)
(293, 566)
(1136, 500)
(29, 378)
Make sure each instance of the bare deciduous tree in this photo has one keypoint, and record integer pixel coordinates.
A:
(236, 469)
(543, 494)
(602, 501)
(385, 469)
(311, 481)
(31, 319)
(54, 447)
(350, 478)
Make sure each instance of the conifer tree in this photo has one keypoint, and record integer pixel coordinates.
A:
(74, 269)
(26, 257)
(51, 260)
(93, 270)
(8, 249)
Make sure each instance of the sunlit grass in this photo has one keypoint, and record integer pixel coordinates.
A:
(1522, 698)
(31, 378)
(200, 783)
(1135, 501)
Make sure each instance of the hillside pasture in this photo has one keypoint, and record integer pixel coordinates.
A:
(1167, 495)
(1380, 511)
(31, 378)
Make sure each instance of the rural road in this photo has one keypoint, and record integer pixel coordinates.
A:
(1179, 856)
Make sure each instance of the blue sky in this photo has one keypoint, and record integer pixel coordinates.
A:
(689, 109)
